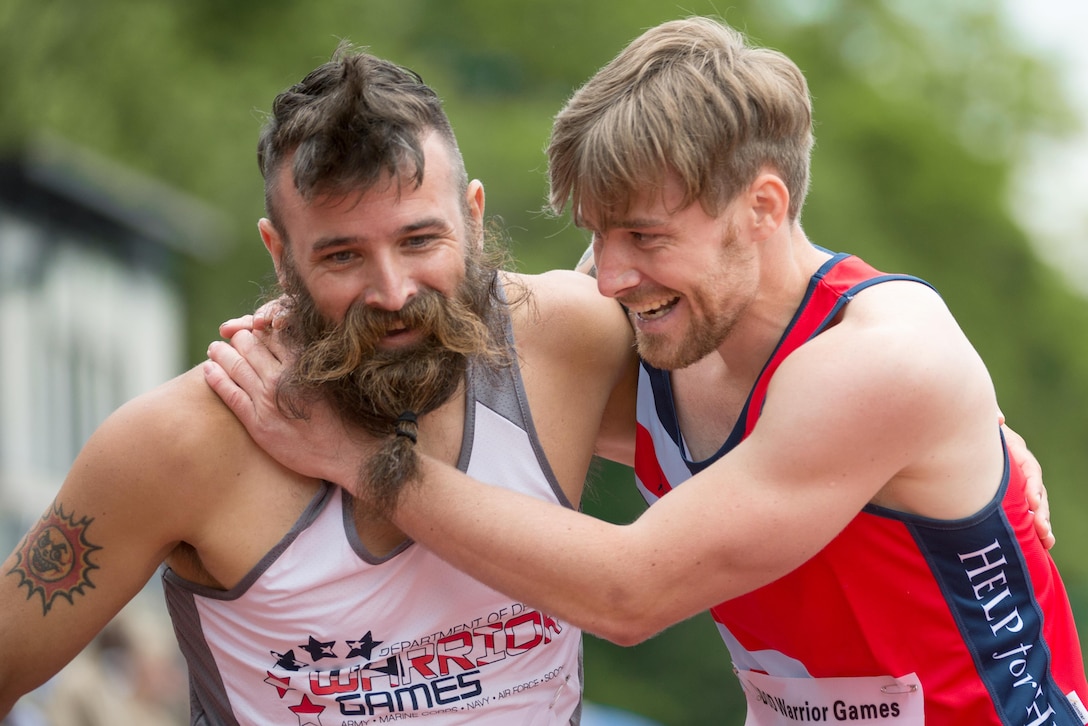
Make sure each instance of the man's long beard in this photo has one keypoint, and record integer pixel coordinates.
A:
(373, 387)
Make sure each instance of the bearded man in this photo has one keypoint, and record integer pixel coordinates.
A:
(291, 600)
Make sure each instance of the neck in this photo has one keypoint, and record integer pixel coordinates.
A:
(787, 264)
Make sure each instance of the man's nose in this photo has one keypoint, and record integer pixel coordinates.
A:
(389, 284)
(615, 272)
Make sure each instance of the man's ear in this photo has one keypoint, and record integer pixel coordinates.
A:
(273, 243)
(474, 203)
(770, 204)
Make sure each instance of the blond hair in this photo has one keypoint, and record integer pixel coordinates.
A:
(688, 97)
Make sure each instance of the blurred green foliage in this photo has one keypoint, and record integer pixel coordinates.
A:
(922, 110)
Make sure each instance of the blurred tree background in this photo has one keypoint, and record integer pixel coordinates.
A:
(923, 110)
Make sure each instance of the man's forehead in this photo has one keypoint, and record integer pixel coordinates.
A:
(653, 206)
(390, 199)
(636, 214)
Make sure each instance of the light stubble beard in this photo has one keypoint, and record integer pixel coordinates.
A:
(722, 304)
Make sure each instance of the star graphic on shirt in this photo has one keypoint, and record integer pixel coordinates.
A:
(287, 660)
(283, 685)
(318, 649)
(307, 708)
(364, 646)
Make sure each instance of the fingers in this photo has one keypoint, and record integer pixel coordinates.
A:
(1035, 490)
(247, 361)
(235, 398)
(232, 326)
(272, 344)
(245, 373)
(270, 316)
(261, 350)
(1039, 504)
(1036, 493)
(1045, 532)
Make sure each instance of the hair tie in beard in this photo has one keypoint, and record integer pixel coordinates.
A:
(402, 429)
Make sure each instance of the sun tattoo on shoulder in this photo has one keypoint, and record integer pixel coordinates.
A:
(52, 560)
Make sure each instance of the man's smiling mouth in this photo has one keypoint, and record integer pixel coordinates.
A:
(654, 309)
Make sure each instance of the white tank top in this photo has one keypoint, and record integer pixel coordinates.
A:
(322, 633)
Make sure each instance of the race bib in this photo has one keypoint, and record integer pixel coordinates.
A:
(776, 701)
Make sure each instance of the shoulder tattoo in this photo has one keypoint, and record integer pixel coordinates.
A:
(52, 560)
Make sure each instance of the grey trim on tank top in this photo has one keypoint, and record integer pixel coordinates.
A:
(180, 595)
(199, 661)
(317, 504)
(502, 391)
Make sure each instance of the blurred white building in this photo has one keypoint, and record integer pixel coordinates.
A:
(90, 308)
(91, 314)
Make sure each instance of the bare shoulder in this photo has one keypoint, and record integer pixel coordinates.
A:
(167, 444)
(898, 378)
(564, 308)
(188, 396)
(908, 328)
(577, 356)
(903, 303)
(558, 288)
(898, 336)
(177, 419)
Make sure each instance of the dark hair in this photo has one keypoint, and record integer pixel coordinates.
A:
(349, 123)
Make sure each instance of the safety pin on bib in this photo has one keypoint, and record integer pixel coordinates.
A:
(899, 688)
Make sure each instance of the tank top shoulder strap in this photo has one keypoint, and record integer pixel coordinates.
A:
(833, 286)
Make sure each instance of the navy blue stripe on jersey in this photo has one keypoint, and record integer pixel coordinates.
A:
(853, 291)
(666, 411)
(980, 569)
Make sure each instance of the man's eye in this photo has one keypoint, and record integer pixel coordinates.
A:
(341, 256)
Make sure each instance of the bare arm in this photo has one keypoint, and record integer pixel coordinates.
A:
(108, 529)
(577, 359)
(799, 472)
(837, 432)
(616, 438)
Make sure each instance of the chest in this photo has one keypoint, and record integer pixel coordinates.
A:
(708, 401)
